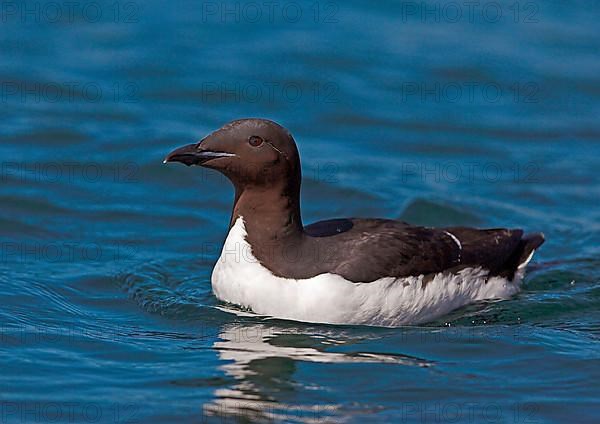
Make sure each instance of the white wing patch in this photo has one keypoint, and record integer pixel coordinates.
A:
(456, 240)
(458, 243)
(526, 261)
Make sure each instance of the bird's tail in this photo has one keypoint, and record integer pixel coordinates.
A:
(523, 254)
(529, 243)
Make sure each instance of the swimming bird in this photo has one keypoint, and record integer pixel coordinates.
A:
(378, 272)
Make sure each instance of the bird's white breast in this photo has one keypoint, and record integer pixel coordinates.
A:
(239, 278)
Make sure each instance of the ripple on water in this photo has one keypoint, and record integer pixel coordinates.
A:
(430, 213)
(567, 298)
(168, 290)
(146, 330)
(257, 357)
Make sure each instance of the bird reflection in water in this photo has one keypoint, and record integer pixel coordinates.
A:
(263, 358)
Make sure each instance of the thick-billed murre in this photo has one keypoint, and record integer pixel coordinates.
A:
(341, 271)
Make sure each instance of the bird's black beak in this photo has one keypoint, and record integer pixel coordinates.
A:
(194, 154)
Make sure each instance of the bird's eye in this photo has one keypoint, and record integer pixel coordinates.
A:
(255, 141)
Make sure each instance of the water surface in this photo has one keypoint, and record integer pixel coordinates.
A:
(107, 313)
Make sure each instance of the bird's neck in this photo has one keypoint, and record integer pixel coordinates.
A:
(269, 213)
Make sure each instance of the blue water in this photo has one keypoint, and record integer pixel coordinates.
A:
(403, 110)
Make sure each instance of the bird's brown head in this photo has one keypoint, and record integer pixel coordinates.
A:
(251, 152)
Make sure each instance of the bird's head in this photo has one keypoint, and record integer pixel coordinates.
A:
(250, 152)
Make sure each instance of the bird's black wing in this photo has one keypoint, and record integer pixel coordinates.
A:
(364, 250)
